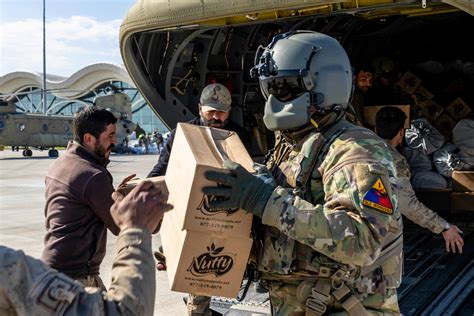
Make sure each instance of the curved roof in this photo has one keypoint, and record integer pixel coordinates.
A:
(77, 85)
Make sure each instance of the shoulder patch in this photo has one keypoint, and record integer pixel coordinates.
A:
(377, 198)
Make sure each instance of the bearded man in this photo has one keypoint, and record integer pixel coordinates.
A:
(215, 105)
(78, 199)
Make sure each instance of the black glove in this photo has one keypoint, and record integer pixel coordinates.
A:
(241, 189)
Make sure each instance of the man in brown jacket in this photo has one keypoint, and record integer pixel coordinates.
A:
(29, 287)
(78, 199)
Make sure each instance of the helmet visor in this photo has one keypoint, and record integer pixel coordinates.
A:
(283, 88)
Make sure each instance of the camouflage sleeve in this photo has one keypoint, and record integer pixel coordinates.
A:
(414, 210)
(351, 225)
(408, 203)
(133, 273)
(45, 291)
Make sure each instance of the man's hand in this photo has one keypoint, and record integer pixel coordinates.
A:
(143, 207)
(125, 180)
(453, 239)
(241, 189)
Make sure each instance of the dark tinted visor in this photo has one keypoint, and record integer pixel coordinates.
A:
(283, 88)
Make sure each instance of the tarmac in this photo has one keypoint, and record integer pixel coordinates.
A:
(22, 217)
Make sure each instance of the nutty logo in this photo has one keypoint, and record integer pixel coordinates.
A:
(205, 209)
(211, 262)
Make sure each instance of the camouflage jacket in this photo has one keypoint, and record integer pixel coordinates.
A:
(30, 287)
(344, 214)
(408, 204)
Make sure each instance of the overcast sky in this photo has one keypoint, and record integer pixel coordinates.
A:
(78, 33)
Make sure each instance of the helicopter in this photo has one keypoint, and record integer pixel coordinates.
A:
(173, 49)
(48, 132)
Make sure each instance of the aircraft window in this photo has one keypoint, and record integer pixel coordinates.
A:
(21, 127)
(2, 125)
(45, 127)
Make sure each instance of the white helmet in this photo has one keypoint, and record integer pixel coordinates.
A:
(300, 69)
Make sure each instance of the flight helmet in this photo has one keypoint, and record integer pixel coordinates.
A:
(300, 69)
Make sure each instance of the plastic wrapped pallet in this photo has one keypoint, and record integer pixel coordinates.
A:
(417, 160)
(428, 180)
(463, 133)
(463, 137)
(446, 160)
(424, 137)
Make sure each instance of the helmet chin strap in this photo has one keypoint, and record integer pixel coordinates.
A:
(318, 122)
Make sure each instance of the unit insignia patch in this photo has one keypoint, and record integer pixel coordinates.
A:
(377, 198)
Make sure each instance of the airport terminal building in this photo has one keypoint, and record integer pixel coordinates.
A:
(66, 95)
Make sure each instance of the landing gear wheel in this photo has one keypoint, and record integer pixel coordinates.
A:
(28, 152)
(53, 153)
(24, 152)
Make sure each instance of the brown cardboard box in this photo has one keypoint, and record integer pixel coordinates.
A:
(409, 82)
(445, 124)
(158, 181)
(458, 109)
(421, 94)
(462, 202)
(206, 251)
(203, 263)
(463, 181)
(197, 149)
(371, 111)
(430, 109)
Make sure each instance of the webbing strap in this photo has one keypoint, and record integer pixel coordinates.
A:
(351, 304)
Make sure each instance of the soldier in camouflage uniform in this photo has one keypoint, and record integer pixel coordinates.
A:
(331, 235)
(30, 287)
(389, 122)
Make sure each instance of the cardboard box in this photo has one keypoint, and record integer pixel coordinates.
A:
(463, 181)
(197, 149)
(206, 251)
(430, 109)
(421, 95)
(203, 263)
(462, 202)
(458, 109)
(445, 124)
(371, 111)
(409, 82)
(436, 199)
(158, 181)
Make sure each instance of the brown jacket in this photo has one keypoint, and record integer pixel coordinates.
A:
(77, 210)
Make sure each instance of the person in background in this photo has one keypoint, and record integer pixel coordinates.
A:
(363, 82)
(384, 91)
(389, 122)
(30, 287)
(78, 199)
(214, 110)
(158, 138)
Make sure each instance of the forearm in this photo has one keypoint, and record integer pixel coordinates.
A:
(417, 212)
(338, 233)
(133, 273)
